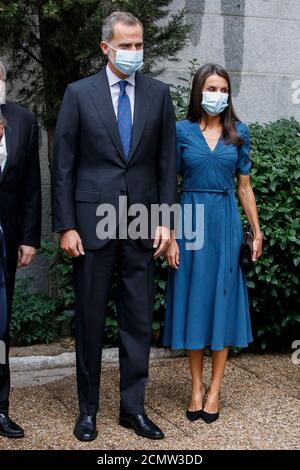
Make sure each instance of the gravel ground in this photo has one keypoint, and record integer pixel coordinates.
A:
(260, 407)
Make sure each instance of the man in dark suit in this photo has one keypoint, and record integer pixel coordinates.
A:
(115, 137)
(20, 217)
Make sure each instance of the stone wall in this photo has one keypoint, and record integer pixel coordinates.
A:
(258, 42)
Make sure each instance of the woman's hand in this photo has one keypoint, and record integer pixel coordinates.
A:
(247, 199)
(172, 254)
(257, 246)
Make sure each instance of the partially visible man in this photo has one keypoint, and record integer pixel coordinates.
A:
(20, 218)
(3, 296)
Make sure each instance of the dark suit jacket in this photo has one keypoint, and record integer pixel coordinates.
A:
(89, 166)
(20, 181)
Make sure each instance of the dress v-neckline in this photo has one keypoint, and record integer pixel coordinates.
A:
(203, 137)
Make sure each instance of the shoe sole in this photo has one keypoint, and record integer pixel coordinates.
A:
(9, 436)
(86, 440)
(126, 425)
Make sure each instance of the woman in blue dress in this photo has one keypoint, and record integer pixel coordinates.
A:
(207, 301)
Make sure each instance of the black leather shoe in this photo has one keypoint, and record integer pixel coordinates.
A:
(142, 425)
(8, 428)
(85, 428)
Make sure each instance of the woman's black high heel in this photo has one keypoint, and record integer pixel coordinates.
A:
(210, 417)
(195, 415)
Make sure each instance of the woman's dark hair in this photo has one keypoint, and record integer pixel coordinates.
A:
(197, 113)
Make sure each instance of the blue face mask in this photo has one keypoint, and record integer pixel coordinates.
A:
(127, 62)
(214, 102)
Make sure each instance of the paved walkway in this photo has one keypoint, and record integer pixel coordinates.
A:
(260, 408)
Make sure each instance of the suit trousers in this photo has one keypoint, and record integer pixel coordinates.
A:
(93, 278)
(11, 264)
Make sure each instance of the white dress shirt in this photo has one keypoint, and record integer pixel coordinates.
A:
(113, 81)
(3, 152)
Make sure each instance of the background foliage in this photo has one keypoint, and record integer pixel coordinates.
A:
(50, 44)
(35, 316)
(274, 283)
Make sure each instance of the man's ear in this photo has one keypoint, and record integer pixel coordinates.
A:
(104, 47)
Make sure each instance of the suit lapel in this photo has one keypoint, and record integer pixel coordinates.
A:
(8, 138)
(142, 102)
(100, 94)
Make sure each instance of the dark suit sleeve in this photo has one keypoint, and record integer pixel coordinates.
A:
(167, 157)
(31, 213)
(63, 166)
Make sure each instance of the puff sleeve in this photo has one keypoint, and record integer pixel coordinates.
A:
(244, 164)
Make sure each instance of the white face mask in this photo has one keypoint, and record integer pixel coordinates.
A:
(2, 92)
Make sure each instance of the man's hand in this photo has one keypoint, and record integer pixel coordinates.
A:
(161, 240)
(25, 255)
(71, 243)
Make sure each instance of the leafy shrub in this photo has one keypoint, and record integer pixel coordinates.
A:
(34, 318)
(274, 283)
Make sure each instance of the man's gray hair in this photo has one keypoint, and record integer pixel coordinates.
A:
(110, 21)
(2, 70)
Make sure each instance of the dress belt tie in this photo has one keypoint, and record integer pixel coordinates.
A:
(228, 224)
(209, 190)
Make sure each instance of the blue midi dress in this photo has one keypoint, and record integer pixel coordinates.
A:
(207, 300)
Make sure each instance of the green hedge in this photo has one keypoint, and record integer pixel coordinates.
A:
(273, 284)
(35, 318)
